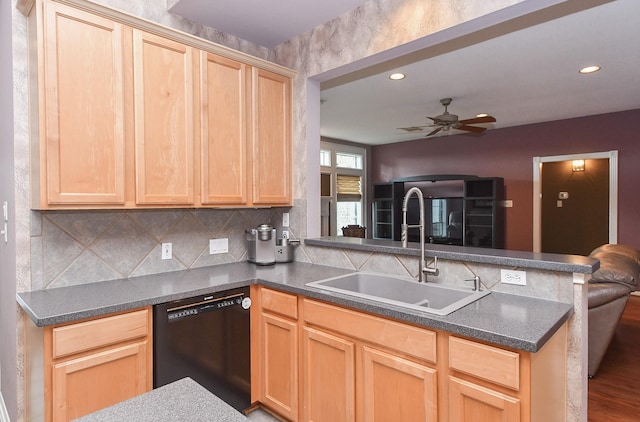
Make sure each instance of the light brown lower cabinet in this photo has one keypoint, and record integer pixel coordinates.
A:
(360, 367)
(397, 389)
(473, 402)
(354, 366)
(85, 384)
(275, 360)
(328, 385)
(88, 365)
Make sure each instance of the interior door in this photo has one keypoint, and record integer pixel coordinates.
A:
(575, 206)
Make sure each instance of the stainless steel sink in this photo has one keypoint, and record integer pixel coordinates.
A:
(406, 293)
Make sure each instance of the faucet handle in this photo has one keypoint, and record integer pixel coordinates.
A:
(477, 284)
(432, 270)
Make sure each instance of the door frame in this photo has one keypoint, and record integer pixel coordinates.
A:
(613, 191)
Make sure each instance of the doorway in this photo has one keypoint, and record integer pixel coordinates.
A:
(575, 211)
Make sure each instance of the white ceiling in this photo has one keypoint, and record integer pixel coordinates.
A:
(523, 77)
(263, 22)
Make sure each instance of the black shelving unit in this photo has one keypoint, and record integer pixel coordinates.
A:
(387, 210)
(483, 212)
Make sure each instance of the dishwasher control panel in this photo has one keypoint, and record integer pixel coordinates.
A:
(207, 304)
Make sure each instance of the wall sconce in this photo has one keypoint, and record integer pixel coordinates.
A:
(577, 165)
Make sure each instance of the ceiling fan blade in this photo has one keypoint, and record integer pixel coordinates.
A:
(433, 132)
(474, 129)
(485, 119)
(412, 129)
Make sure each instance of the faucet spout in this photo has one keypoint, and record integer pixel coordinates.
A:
(405, 227)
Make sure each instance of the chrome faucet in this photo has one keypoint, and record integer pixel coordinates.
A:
(405, 227)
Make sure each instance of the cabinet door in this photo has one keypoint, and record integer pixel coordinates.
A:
(164, 121)
(397, 389)
(328, 377)
(224, 130)
(271, 117)
(280, 365)
(86, 384)
(474, 403)
(83, 108)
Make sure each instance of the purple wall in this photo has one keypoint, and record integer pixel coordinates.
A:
(509, 153)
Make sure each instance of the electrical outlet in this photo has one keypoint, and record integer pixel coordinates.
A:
(513, 277)
(217, 246)
(166, 251)
(285, 219)
(285, 234)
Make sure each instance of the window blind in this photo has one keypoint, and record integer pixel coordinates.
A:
(348, 188)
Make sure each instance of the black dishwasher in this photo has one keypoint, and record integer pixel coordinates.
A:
(206, 338)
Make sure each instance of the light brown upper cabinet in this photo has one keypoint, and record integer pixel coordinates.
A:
(223, 97)
(129, 114)
(81, 115)
(164, 121)
(271, 116)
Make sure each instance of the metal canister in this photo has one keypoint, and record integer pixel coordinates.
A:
(264, 232)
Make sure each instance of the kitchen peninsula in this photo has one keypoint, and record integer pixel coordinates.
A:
(516, 327)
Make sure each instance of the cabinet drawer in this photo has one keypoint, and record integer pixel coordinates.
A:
(403, 338)
(101, 332)
(489, 363)
(279, 303)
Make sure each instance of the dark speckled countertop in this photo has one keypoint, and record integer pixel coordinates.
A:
(508, 320)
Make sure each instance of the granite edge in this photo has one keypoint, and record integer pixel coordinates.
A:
(521, 259)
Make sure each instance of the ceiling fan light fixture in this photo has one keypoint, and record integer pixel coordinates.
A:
(482, 115)
(397, 76)
(589, 69)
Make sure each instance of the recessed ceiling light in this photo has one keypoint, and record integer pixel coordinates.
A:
(589, 69)
(397, 76)
(482, 115)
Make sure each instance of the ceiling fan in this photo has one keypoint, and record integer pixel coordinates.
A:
(448, 121)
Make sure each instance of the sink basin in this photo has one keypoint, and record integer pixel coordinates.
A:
(426, 297)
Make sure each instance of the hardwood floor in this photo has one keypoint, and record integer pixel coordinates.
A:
(613, 392)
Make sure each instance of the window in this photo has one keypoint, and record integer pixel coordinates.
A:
(325, 158)
(342, 187)
(438, 219)
(349, 161)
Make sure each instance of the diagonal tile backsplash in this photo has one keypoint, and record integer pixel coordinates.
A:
(78, 247)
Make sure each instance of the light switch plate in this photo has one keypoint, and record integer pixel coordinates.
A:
(285, 219)
(166, 251)
(217, 246)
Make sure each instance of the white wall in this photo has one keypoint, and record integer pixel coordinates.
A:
(8, 372)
